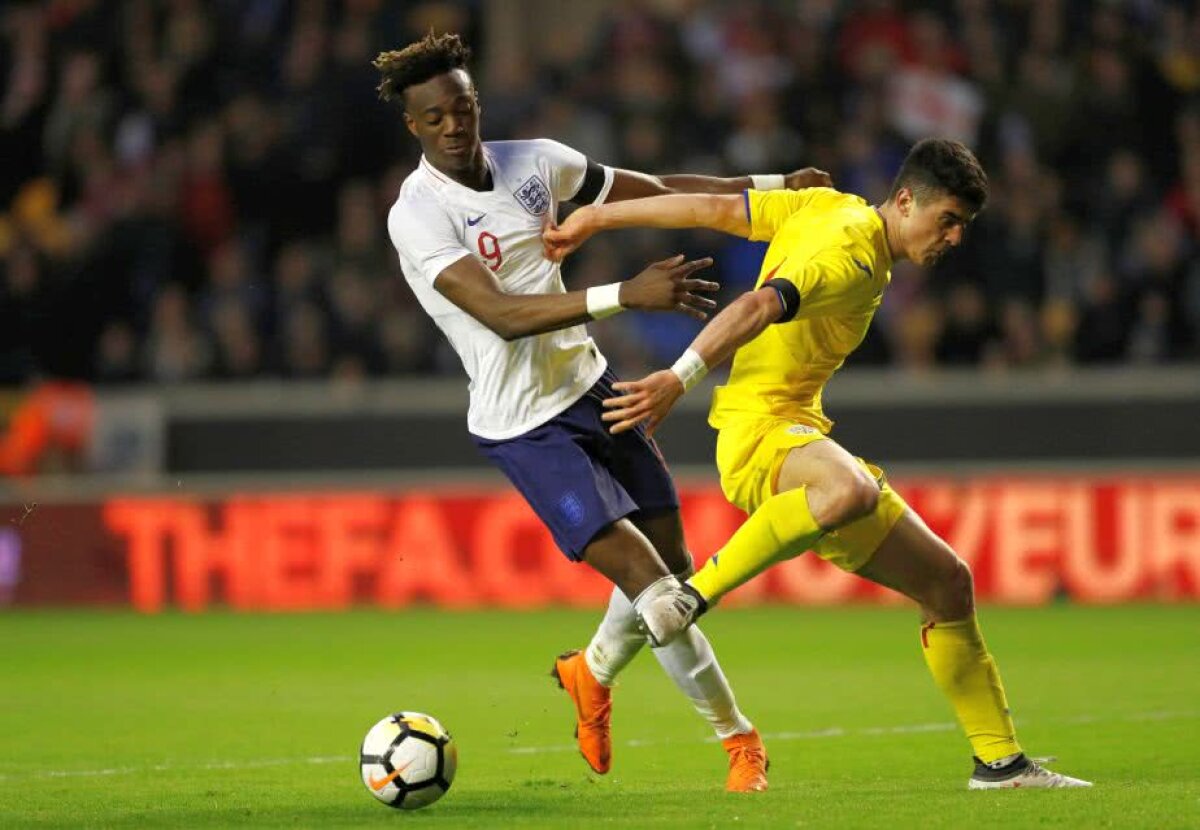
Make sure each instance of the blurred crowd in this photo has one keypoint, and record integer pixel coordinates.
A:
(197, 190)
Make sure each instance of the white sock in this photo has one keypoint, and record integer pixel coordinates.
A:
(690, 662)
(616, 641)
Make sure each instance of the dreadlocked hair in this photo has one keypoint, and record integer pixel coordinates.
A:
(416, 63)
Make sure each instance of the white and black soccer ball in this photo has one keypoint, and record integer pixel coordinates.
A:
(408, 760)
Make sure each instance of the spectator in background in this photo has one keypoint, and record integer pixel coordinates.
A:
(360, 233)
(1013, 258)
(116, 354)
(927, 94)
(25, 92)
(1150, 340)
(205, 199)
(1183, 196)
(1155, 271)
(175, 349)
(142, 140)
(761, 140)
(296, 280)
(233, 308)
(258, 170)
(1039, 96)
(968, 333)
(1059, 323)
(404, 338)
(1124, 195)
(24, 309)
(311, 131)
(874, 38)
(304, 343)
(1104, 323)
(1072, 260)
(237, 345)
(354, 334)
(82, 105)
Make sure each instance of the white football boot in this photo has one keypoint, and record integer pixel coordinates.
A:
(1023, 772)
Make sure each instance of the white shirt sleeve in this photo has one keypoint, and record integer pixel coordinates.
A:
(567, 168)
(425, 237)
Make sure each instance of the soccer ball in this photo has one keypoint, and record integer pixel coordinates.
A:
(408, 760)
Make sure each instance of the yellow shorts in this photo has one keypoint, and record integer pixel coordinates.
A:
(750, 454)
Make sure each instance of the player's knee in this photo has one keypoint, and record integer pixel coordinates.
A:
(853, 497)
(957, 592)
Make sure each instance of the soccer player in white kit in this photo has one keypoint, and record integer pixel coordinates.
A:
(467, 227)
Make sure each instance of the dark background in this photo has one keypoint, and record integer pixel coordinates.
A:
(196, 190)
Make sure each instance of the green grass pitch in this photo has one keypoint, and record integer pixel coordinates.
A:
(116, 720)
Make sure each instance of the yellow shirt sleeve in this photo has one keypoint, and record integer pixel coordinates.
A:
(829, 284)
(769, 209)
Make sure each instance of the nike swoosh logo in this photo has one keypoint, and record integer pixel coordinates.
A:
(473, 222)
(862, 267)
(378, 784)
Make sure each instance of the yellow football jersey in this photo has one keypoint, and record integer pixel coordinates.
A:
(833, 248)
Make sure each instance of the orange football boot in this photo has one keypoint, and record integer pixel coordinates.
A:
(593, 709)
(748, 763)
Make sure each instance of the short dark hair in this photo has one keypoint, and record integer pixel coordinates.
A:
(416, 63)
(939, 165)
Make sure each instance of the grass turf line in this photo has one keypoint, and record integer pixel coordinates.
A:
(215, 720)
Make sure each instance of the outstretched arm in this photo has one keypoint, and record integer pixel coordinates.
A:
(663, 286)
(630, 184)
(726, 213)
(676, 201)
(650, 399)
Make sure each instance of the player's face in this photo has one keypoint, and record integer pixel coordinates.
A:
(933, 226)
(443, 113)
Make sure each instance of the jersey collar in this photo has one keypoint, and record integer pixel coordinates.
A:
(882, 245)
(444, 182)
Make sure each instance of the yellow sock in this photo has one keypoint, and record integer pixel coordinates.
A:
(967, 675)
(781, 528)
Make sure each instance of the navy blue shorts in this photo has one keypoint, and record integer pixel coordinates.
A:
(580, 478)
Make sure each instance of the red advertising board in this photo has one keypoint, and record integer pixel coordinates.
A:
(1028, 540)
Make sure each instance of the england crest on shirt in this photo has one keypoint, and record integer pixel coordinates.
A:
(534, 196)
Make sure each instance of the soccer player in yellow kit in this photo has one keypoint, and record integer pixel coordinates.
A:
(823, 276)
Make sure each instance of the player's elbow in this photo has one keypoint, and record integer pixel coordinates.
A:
(500, 320)
(747, 317)
(662, 186)
(506, 328)
(726, 212)
(760, 308)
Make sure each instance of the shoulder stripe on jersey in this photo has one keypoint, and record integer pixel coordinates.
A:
(746, 199)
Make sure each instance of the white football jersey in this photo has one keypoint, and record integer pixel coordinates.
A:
(518, 385)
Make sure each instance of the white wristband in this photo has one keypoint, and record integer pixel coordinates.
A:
(604, 300)
(690, 369)
(769, 181)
